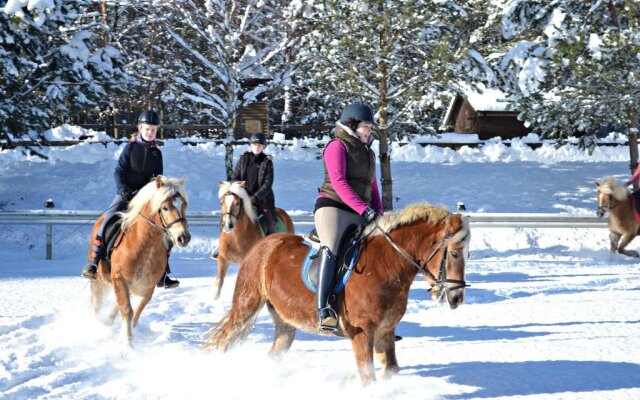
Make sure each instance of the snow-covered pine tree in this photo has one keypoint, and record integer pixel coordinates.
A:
(397, 56)
(230, 46)
(572, 66)
(53, 64)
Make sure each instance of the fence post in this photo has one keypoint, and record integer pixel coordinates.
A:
(49, 248)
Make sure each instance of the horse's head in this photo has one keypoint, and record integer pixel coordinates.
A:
(607, 192)
(446, 273)
(166, 198)
(173, 211)
(234, 203)
(441, 251)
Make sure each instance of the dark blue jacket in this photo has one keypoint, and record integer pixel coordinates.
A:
(138, 164)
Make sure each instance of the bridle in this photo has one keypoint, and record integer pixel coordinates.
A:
(601, 209)
(165, 228)
(229, 213)
(439, 283)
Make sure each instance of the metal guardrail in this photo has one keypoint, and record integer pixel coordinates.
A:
(211, 218)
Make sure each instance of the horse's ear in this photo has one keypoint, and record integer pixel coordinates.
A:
(182, 180)
(221, 183)
(159, 181)
(243, 184)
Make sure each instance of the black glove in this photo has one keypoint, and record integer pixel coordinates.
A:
(370, 215)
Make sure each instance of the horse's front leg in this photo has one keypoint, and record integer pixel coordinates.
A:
(362, 344)
(626, 239)
(146, 297)
(385, 351)
(223, 266)
(614, 239)
(123, 299)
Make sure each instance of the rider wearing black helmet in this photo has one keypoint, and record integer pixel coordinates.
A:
(348, 195)
(256, 169)
(139, 162)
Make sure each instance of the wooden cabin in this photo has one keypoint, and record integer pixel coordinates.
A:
(485, 115)
(252, 119)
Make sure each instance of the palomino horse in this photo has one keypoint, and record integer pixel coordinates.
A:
(622, 223)
(139, 259)
(239, 228)
(420, 239)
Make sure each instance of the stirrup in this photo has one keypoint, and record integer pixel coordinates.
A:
(90, 271)
(327, 319)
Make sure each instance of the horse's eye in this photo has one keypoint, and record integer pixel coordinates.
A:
(455, 254)
(165, 208)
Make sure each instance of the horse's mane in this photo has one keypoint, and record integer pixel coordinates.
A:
(237, 189)
(157, 195)
(609, 185)
(414, 212)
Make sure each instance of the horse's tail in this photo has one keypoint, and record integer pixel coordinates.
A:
(286, 219)
(229, 332)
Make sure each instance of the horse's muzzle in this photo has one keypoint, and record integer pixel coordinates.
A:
(183, 239)
(600, 212)
(454, 297)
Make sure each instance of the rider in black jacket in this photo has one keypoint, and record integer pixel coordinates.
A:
(256, 169)
(139, 162)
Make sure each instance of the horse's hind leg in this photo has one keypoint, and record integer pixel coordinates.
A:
(614, 239)
(99, 291)
(626, 239)
(285, 333)
(385, 351)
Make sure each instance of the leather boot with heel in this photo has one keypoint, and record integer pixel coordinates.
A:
(91, 269)
(327, 316)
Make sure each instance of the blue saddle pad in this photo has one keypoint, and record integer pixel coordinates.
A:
(311, 263)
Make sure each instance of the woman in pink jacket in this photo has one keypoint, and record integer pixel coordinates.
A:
(348, 195)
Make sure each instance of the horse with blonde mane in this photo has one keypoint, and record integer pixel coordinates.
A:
(419, 239)
(154, 216)
(239, 227)
(623, 226)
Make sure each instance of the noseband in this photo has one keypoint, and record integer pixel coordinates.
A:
(441, 280)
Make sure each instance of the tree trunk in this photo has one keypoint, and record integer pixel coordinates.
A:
(633, 141)
(383, 150)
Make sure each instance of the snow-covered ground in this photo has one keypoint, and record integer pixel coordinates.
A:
(550, 314)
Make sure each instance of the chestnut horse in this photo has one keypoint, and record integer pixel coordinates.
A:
(139, 259)
(616, 199)
(419, 239)
(239, 228)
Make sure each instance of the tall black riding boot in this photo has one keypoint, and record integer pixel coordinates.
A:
(91, 269)
(166, 282)
(327, 317)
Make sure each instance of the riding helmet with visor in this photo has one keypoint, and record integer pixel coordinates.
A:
(258, 138)
(149, 117)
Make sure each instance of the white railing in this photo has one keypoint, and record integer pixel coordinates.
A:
(51, 217)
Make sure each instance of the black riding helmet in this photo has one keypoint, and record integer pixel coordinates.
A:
(258, 138)
(149, 117)
(356, 112)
